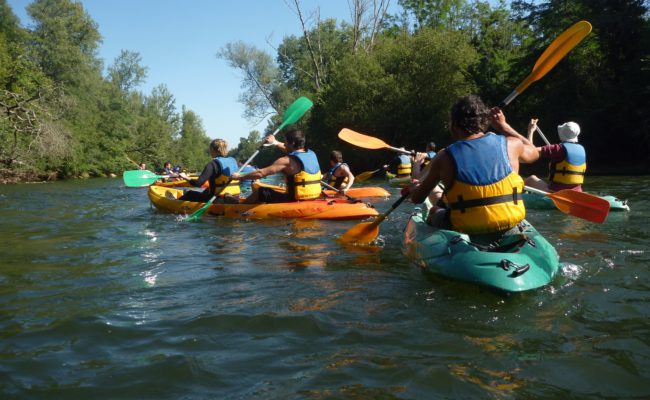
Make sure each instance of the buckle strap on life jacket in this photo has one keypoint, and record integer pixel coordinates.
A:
(462, 205)
(305, 183)
(564, 171)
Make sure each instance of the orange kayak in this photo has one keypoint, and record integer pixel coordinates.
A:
(355, 192)
(166, 199)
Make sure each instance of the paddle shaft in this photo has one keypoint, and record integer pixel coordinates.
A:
(338, 191)
(542, 135)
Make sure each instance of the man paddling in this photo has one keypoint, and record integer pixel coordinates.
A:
(568, 161)
(480, 172)
(300, 168)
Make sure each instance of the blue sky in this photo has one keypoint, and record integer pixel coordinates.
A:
(178, 41)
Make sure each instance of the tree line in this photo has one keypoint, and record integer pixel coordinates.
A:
(392, 76)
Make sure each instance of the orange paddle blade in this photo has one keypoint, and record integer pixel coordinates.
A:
(361, 140)
(556, 51)
(363, 233)
(581, 205)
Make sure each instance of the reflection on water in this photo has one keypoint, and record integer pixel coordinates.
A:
(103, 297)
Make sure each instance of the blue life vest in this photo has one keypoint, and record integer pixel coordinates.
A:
(223, 184)
(571, 170)
(337, 181)
(305, 185)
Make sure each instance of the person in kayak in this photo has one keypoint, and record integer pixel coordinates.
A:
(300, 167)
(339, 174)
(421, 160)
(218, 172)
(400, 165)
(568, 161)
(480, 172)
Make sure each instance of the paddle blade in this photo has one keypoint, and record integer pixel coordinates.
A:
(582, 205)
(361, 140)
(296, 110)
(139, 178)
(196, 215)
(556, 51)
(365, 175)
(363, 233)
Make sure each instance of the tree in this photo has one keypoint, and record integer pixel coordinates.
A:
(126, 72)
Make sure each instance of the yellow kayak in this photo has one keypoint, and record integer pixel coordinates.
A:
(166, 199)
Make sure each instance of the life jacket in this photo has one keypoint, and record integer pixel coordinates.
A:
(404, 166)
(228, 167)
(571, 170)
(486, 195)
(429, 157)
(305, 185)
(337, 181)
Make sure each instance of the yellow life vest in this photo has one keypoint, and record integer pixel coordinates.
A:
(404, 166)
(571, 170)
(338, 181)
(486, 195)
(306, 184)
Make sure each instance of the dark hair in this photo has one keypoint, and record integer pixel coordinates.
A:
(336, 156)
(295, 138)
(431, 146)
(470, 114)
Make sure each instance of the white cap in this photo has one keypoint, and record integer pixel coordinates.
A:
(568, 132)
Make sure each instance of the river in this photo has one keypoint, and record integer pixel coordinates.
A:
(102, 297)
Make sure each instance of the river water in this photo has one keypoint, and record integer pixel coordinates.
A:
(102, 297)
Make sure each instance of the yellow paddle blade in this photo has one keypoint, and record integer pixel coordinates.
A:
(365, 175)
(556, 51)
(582, 205)
(363, 233)
(361, 140)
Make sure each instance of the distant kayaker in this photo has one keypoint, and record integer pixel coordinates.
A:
(142, 166)
(400, 165)
(300, 168)
(568, 161)
(218, 172)
(339, 174)
(480, 173)
(421, 160)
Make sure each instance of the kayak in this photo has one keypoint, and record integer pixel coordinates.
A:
(166, 199)
(514, 263)
(538, 202)
(355, 192)
(396, 182)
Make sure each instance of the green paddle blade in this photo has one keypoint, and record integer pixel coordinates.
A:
(140, 178)
(296, 110)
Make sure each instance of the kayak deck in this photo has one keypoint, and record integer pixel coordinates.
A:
(166, 199)
(515, 263)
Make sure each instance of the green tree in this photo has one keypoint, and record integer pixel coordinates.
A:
(192, 146)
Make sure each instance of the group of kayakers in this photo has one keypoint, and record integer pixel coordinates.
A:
(474, 183)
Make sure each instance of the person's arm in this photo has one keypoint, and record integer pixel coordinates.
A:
(532, 127)
(278, 166)
(528, 152)
(348, 173)
(272, 140)
(420, 190)
(417, 162)
(208, 171)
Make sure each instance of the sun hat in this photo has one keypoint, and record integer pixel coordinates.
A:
(568, 132)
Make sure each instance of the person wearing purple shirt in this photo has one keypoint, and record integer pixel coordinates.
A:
(567, 160)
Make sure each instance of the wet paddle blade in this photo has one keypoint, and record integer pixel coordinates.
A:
(363, 233)
(196, 215)
(139, 178)
(582, 205)
(361, 140)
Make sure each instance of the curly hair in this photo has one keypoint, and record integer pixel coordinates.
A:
(470, 114)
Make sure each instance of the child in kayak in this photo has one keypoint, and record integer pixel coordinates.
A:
(339, 175)
(568, 161)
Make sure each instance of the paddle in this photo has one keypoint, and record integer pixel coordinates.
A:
(140, 178)
(366, 175)
(579, 204)
(366, 232)
(552, 55)
(542, 135)
(339, 191)
(293, 113)
(368, 142)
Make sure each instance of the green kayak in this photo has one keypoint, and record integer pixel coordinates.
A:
(539, 202)
(514, 263)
